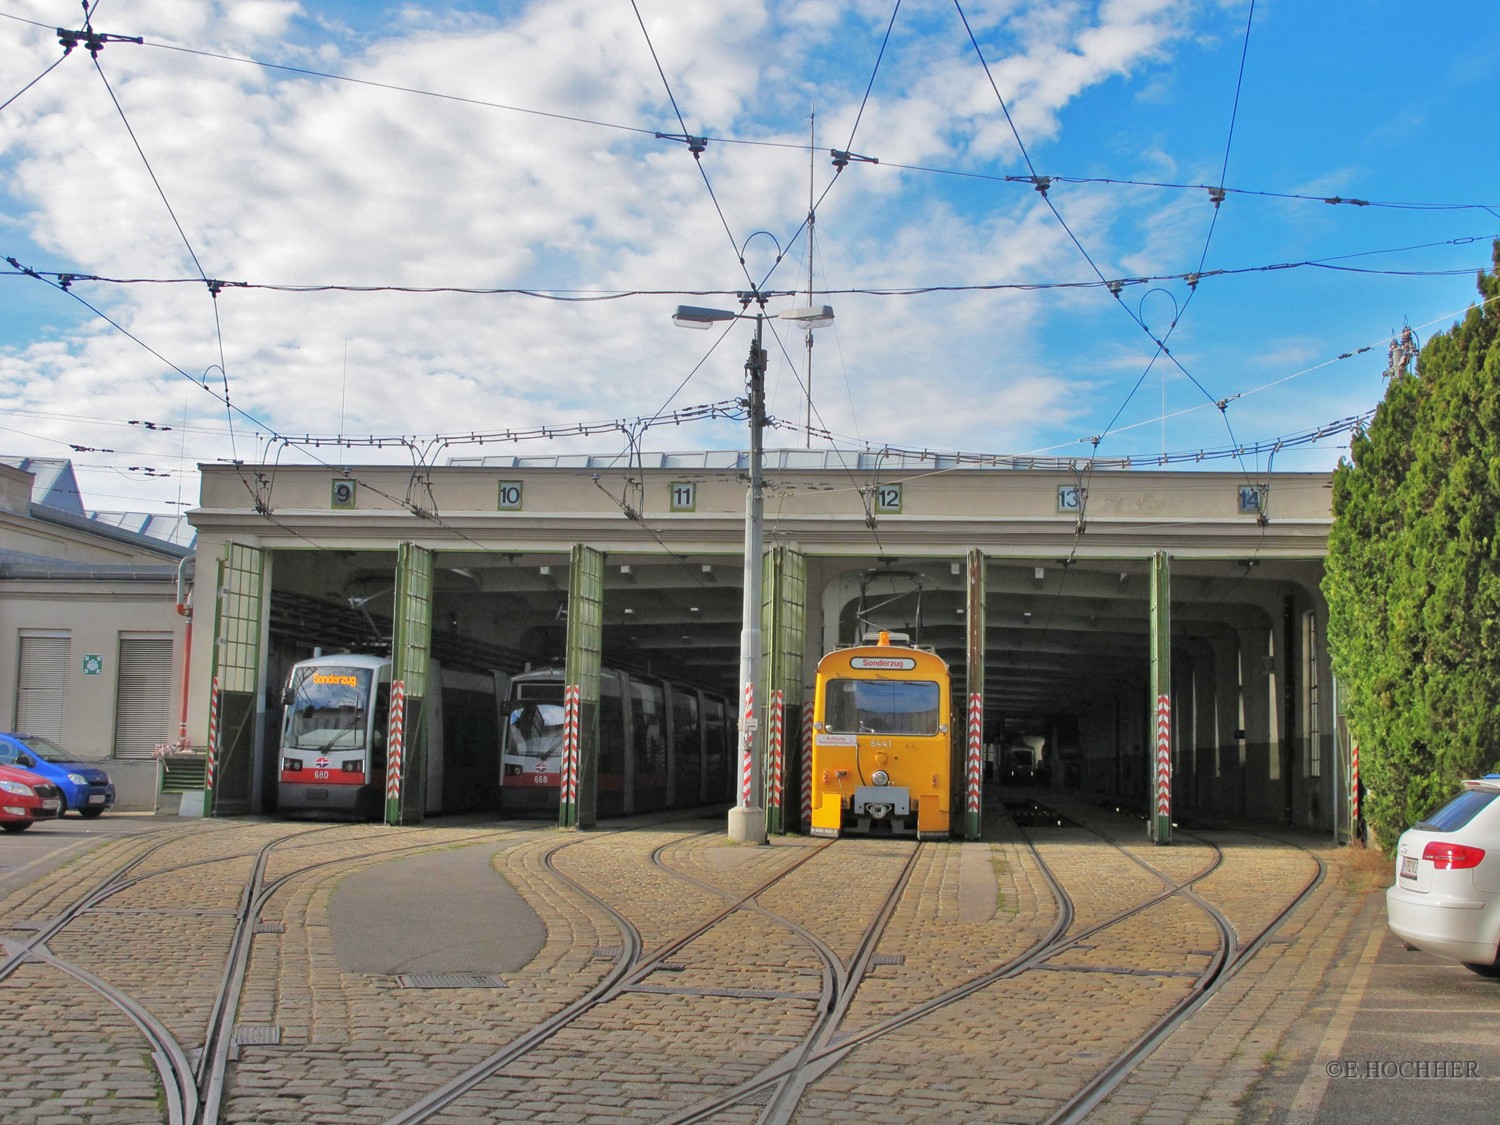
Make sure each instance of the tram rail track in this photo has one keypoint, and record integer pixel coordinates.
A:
(192, 1074)
(1230, 955)
(666, 959)
(630, 969)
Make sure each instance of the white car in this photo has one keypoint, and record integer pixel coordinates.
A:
(1446, 898)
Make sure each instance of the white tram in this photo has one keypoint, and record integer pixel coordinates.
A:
(661, 744)
(334, 736)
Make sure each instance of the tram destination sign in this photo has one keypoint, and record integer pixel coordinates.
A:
(883, 663)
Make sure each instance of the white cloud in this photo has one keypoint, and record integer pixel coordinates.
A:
(296, 179)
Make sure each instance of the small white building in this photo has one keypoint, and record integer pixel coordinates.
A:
(92, 643)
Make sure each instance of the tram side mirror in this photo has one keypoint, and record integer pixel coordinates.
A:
(287, 695)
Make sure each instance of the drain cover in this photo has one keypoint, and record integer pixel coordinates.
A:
(449, 980)
(257, 1034)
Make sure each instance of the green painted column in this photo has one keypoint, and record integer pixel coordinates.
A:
(411, 660)
(578, 805)
(235, 673)
(784, 626)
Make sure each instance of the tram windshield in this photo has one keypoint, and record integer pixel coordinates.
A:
(329, 709)
(881, 707)
(535, 731)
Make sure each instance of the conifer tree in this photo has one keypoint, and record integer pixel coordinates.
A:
(1413, 574)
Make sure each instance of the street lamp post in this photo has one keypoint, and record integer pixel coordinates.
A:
(747, 819)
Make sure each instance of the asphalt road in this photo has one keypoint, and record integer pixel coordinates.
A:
(1411, 1037)
(48, 844)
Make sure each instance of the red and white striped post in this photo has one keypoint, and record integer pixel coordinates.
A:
(807, 734)
(973, 813)
(1356, 806)
(747, 746)
(1163, 768)
(211, 767)
(567, 804)
(395, 752)
(775, 781)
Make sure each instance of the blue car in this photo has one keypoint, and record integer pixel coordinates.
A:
(84, 787)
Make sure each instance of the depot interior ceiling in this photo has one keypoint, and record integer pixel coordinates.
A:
(1060, 638)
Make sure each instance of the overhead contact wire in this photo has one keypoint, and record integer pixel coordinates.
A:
(1041, 184)
(6, 104)
(213, 287)
(696, 152)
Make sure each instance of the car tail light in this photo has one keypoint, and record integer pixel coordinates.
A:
(1452, 857)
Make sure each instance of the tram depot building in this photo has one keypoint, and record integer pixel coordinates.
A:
(1035, 583)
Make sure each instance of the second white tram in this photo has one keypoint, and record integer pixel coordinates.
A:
(661, 744)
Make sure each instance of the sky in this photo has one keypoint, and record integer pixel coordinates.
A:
(269, 226)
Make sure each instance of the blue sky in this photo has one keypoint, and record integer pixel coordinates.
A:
(539, 169)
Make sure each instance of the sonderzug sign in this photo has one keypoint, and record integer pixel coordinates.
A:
(344, 681)
(883, 663)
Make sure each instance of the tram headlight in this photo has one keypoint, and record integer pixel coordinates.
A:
(880, 777)
(354, 765)
(291, 763)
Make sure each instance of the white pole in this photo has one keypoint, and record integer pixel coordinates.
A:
(747, 820)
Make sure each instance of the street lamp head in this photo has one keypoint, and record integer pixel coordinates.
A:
(691, 316)
(811, 316)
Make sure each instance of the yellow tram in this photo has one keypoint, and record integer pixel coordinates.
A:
(882, 757)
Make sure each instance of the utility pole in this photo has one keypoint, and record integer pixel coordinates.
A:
(747, 820)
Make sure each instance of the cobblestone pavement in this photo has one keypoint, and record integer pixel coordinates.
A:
(949, 1022)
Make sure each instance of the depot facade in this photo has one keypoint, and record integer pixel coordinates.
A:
(1104, 618)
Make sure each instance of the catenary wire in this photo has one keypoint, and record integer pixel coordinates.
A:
(6, 104)
(694, 147)
(1029, 181)
(1042, 189)
(1331, 263)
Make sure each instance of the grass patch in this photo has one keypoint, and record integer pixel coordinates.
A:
(1004, 904)
(1366, 869)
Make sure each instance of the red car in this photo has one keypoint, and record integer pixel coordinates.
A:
(26, 798)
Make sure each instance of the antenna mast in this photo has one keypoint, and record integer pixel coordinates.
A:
(812, 148)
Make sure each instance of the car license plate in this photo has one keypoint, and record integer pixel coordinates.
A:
(96, 798)
(49, 804)
(1408, 867)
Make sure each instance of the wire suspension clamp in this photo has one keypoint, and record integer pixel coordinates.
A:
(93, 40)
